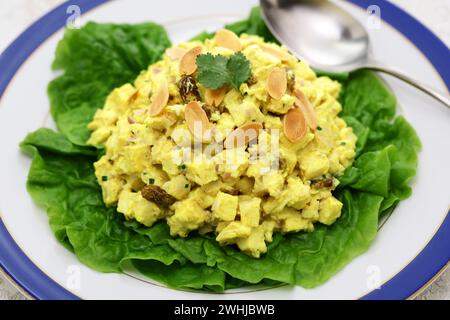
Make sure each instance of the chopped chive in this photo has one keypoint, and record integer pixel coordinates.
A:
(151, 181)
(186, 185)
(319, 128)
(105, 178)
(343, 143)
(182, 167)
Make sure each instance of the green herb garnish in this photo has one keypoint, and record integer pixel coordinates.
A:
(151, 181)
(105, 178)
(214, 72)
(182, 167)
(186, 185)
(319, 128)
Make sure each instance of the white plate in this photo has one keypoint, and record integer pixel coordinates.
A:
(24, 107)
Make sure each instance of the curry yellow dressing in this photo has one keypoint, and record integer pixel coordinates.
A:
(241, 202)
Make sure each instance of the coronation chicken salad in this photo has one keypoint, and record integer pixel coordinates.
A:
(282, 112)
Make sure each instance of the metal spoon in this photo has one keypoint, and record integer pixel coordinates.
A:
(328, 37)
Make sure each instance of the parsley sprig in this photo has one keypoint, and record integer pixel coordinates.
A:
(214, 72)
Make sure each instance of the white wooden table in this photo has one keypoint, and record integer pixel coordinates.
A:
(17, 15)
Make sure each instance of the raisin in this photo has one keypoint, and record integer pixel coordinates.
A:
(282, 164)
(157, 195)
(188, 89)
(325, 183)
(290, 80)
(252, 80)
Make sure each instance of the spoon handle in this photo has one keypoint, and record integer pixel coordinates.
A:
(444, 99)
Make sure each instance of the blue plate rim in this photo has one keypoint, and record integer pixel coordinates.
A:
(436, 254)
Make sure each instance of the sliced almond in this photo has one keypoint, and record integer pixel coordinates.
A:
(160, 99)
(282, 55)
(243, 135)
(227, 39)
(294, 125)
(131, 120)
(188, 62)
(303, 103)
(175, 53)
(197, 120)
(277, 83)
(215, 97)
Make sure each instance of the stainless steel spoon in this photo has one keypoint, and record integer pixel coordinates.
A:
(328, 38)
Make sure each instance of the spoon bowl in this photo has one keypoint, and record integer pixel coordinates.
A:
(328, 38)
(323, 34)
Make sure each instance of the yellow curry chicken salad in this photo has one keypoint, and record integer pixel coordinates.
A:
(271, 143)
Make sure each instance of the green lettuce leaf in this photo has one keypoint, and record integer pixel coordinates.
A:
(387, 147)
(48, 140)
(365, 97)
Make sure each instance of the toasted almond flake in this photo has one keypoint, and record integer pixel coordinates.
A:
(227, 39)
(294, 125)
(243, 135)
(215, 97)
(277, 83)
(131, 120)
(197, 120)
(160, 99)
(282, 55)
(303, 103)
(175, 53)
(188, 62)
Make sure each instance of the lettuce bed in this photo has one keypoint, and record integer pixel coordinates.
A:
(100, 57)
